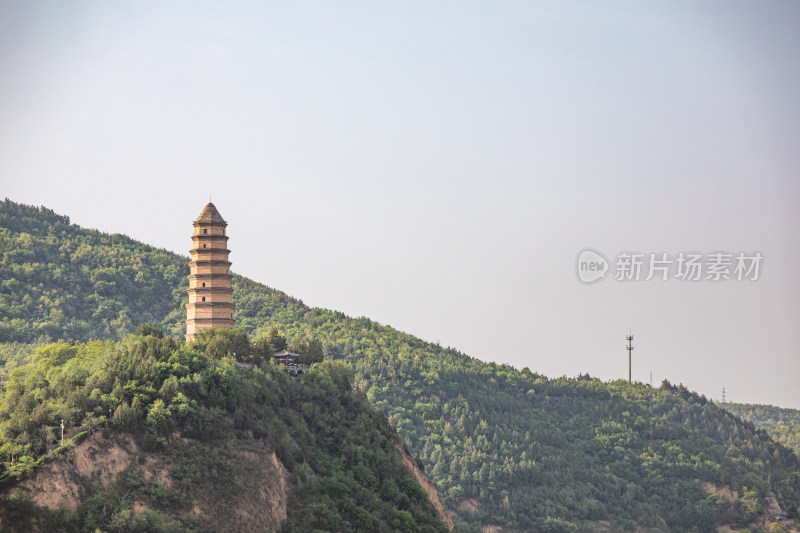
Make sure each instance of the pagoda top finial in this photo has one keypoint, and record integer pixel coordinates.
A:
(210, 215)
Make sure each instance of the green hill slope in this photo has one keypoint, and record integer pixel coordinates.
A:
(504, 447)
(213, 426)
(783, 425)
(62, 281)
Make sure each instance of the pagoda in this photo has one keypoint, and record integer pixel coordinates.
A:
(210, 294)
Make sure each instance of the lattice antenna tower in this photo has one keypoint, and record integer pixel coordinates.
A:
(629, 347)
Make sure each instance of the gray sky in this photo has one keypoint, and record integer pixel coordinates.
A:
(437, 166)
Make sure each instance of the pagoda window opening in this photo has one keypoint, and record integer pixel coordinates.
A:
(204, 298)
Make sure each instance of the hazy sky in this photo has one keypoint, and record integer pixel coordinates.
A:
(438, 166)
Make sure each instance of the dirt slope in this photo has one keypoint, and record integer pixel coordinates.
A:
(428, 487)
(260, 506)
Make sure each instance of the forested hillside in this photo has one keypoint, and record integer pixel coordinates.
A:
(203, 418)
(62, 281)
(504, 447)
(783, 425)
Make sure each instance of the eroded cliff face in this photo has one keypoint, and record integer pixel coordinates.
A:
(428, 487)
(96, 460)
(258, 500)
(259, 504)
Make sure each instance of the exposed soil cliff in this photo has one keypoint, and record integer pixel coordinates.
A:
(262, 483)
(428, 487)
(95, 460)
(259, 505)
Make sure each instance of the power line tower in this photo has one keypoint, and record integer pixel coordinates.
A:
(723, 394)
(629, 347)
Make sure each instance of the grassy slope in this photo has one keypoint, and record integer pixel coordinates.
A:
(517, 446)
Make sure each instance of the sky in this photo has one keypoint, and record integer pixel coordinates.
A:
(439, 166)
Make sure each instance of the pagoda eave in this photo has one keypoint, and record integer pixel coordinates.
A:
(209, 262)
(221, 305)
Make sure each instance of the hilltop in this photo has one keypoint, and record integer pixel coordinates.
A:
(507, 449)
(160, 437)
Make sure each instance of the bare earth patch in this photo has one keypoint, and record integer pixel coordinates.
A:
(471, 505)
(156, 468)
(261, 504)
(726, 490)
(96, 459)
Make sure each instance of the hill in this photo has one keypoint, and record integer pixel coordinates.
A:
(783, 425)
(62, 281)
(506, 449)
(160, 437)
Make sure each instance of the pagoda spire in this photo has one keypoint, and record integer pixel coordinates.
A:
(210, 293)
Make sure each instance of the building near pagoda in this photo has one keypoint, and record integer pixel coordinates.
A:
(210, 294)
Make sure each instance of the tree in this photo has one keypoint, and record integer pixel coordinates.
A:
(312, 353)
(276, 340)
(751, 504)
(298, 345)
(219, 342)
(150, 329)
(261, 348)
(554, 525)
(159, 418)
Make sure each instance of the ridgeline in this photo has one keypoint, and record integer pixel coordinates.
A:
(506, 449)
(783, 425)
